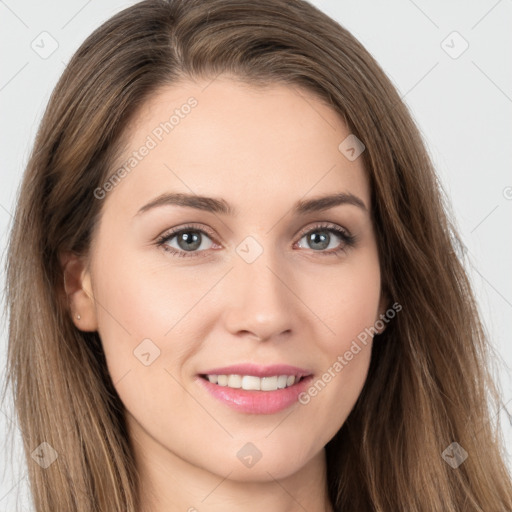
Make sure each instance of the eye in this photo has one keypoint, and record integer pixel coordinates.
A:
(321, 237)
(189, 239)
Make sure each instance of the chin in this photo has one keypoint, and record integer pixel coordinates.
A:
(263, 461)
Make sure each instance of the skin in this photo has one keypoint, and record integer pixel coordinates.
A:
(261, 150)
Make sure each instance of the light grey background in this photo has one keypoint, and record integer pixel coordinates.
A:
(462, 105)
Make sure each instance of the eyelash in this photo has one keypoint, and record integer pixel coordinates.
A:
(348, 240)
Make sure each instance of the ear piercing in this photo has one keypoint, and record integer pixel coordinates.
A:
(78, 317)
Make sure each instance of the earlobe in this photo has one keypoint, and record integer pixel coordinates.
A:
(78, 290)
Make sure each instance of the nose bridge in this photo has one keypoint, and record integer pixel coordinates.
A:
(261, 301)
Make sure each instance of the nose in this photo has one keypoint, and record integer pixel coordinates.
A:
(259, 301)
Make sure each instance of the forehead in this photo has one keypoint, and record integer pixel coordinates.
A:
(248, 144)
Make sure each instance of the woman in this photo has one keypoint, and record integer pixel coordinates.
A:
(244, 285)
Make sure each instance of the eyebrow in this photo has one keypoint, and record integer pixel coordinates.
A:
(214, 205)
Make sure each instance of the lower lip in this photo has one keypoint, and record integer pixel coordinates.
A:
(256, 402)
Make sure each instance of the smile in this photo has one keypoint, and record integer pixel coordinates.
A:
(254, 383)
(255, 389)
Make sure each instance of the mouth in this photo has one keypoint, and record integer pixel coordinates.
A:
(254, 389)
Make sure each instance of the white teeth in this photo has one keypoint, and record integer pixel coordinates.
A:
(235, 381)
(253, 383)
(281, 381)
(269, 383)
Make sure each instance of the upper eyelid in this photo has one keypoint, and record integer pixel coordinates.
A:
(324, 225)
(174, 232)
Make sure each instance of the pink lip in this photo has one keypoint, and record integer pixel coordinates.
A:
(257, 402)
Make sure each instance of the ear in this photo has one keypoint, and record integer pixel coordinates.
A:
(78, 289)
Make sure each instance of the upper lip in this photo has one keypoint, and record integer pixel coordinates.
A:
(258, 370)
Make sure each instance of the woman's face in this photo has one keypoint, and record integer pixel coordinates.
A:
(258, 284)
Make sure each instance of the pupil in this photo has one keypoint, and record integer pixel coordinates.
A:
(193, 241)
(322, 239)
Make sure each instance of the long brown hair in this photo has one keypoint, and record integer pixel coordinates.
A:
(429, 382)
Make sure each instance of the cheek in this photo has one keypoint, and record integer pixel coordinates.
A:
(149, 313)
(130, 306)
(345, 301)
(142, 314)
(348, 307)
(136, 299)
